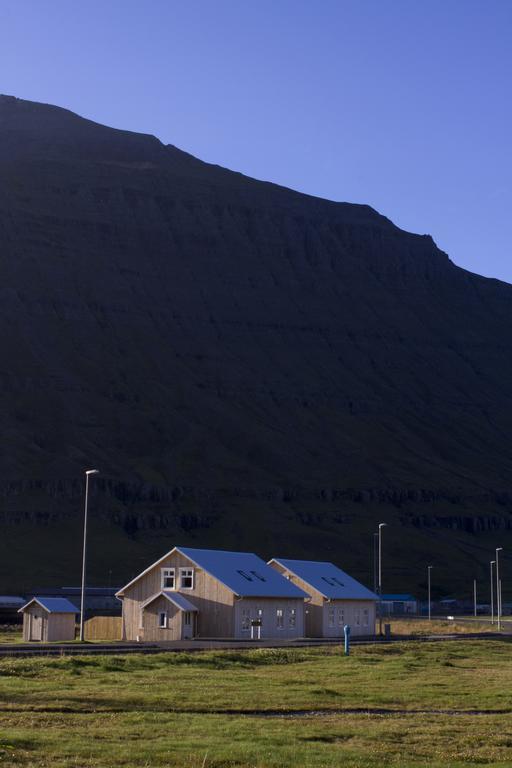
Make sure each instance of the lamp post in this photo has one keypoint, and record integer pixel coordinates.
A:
(474, 597)
(428, 579)
(375, 537)
(88, 472)
(498, 590)
(381, 526)
(493, 562)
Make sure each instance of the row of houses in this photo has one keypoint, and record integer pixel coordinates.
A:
(200, 593)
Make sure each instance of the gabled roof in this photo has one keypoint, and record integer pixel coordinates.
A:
(327, 578)
(244, 573)
(52, 605)
(10, 601)
(179, 600)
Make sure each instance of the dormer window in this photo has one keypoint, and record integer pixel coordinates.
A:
(186, 578)
(168, 578)
(245, 575)
(258, 576)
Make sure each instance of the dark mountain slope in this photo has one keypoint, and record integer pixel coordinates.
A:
(244, 363)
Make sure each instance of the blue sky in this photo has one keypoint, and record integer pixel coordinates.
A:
(401, 104)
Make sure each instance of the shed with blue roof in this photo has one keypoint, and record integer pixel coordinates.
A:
(211, 593)
(49, 619)
(335, 598)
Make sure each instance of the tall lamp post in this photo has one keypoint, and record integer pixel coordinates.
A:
(375, 537)
(381, 526)
(498, 588)
(428, 579)
(88, 473)
(493, 562)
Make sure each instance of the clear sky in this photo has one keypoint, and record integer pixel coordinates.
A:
(402, 104)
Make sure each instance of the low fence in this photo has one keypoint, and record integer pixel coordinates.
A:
(103, 628)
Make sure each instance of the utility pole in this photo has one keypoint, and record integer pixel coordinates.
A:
(498, 587)
(381, 526)
(428, 579)
(493, 562)
(88, 472)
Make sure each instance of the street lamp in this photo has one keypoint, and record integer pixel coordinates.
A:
(428, 579)
(381, 526)
(498, 588)
(88, 472)
(493, 562)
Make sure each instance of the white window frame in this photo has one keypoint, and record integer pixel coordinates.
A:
(162, 624)
(366, 617)
(187, 573)
(341, 616)
(331, 617)
(357, 617)
(246, 619)
(292, 618)
(167, 573)
(279, 618)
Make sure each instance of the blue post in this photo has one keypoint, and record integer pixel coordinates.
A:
(346, 630)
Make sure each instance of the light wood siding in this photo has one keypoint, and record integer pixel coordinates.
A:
(152, 631)
(39, 625)
(317, 611)
(213, 600)
(103, 628)
(269, 606)
(353, 615)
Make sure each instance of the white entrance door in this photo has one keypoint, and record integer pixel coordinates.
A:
(36, 626)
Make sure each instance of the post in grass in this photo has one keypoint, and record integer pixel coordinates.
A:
(346, 632)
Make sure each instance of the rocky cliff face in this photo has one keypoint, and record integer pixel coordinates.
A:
(244, 363)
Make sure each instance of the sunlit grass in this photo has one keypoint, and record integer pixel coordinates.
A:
(383, 705)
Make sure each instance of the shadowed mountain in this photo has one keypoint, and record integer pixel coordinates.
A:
(248, 366)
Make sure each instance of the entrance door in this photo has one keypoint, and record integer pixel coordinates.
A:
(188, 625)
(36, 626)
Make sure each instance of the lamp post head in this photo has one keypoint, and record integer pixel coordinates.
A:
(429, 567)
(381, 525)
(493, 562)
(92, 471)
(499, 549)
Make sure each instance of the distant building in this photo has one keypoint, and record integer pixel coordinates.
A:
(9, 607)
(335, 598)
(398, 604)
(99, 601)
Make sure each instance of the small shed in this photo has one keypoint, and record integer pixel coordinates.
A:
(47, 619)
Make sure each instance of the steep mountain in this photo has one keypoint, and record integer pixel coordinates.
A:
(247, 366)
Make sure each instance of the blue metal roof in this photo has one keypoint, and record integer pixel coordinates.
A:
(328, 579)
(179, 600)
(246, 574)
(399, 597)
(53, 604)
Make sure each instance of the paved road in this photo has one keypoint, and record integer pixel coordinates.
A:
(77, 649)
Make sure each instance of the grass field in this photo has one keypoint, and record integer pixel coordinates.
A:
(405, 704)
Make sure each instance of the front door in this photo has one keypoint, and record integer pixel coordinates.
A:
(36, 626)
(188, 625)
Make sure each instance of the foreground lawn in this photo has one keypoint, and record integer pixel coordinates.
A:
(428, 704)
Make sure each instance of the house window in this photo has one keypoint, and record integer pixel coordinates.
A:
(341, 617)
(330, 617)
(279, 618)
(366, 617)
(162, 620)
(187, 618)
(292, 618)
(246, 619)
(186, 578)
(141, 618)
(167, 578)
(357, 613)
(259, 613)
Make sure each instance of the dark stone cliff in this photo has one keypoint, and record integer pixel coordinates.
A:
(247, 366)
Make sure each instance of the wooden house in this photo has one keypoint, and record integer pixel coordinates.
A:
(209, 593)
(48, 619)
(336, 599)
